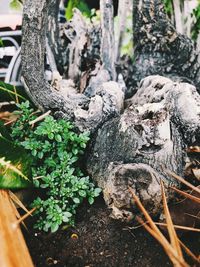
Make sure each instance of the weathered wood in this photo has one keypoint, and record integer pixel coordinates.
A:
(159, 48)
(53, 35)
(150, 136)
(99, 102)
(107, 39)
(133, 148)
(76, 31)
(35, 21)
(13, 249)
(82, 49)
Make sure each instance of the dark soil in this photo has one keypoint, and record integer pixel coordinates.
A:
(98, 241)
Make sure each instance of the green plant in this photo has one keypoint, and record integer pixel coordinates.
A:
(80, 4)
(55, 148)
(1, 43)
(14, 163)
(11, 175)
(16, 4)
(168, 4)
(196, 26)
(9, 92)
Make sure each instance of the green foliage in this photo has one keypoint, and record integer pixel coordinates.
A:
(55, 149)
(9, 175)
(168, 7)
(9, 92)
(80, 4)
(14, 163)
(1, 43)
(16, 4)
(196, 26)
(127, 43)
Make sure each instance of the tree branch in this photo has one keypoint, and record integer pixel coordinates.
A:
(107, 41)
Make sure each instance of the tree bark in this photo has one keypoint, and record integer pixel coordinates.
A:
(34, 28)
(102, 99)
(159, 48)
(150, 137)
(134, 147)
(108, 40)
(53, 33)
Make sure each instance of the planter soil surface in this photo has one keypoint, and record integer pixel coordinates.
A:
(99, 241)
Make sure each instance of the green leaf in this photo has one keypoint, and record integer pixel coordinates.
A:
(75, 151)
(91, 200)
(44, 185)
(54, 227)
(34, 152)
(47, 226)
(51, 136)
(15, 166)
(58, 138)
(83, 145)
(76, 200)
(97, 191)
(66, 216)
(15, 4)
(1, 43)
(40, 155)
(82, 193)
(80, 4)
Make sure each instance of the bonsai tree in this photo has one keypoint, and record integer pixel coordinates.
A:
(138, 131)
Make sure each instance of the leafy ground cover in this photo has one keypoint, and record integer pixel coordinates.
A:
(43, 153)
(55, 149)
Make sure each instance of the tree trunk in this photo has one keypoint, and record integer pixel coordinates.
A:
(107, 41)
(34, 28)
(102, 99)
(150, 137)
(159, 48)
(132, 147)
(53, 37)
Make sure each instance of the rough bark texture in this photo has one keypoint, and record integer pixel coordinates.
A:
(162, 118)
(103, 98)
(107, 41)
(35, 21)
(159, 49)
(150, 137)
(53, 33)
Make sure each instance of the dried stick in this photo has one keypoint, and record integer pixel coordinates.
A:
(107, 39)
(40, 118)
(13, 249)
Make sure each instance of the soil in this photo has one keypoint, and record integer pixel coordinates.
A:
(99, 241)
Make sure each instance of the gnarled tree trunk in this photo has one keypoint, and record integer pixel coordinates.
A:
(149, 138)
(104, 98)
(133, 147)
(159, 48)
